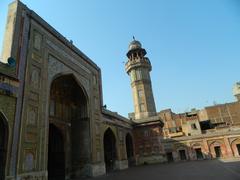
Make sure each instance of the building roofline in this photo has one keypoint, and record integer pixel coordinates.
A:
(115, 115)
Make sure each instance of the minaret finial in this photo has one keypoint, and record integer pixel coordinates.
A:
(134, 38)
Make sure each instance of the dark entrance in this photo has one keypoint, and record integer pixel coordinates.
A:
(129, 148)
(69, 149)
(56, 155)
(3, 147)
(199, 153)
(218, 151)
(238, 148)
(109, 150)
(182, 154)
(170, 157)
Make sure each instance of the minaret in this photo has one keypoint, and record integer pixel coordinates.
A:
(138, 68)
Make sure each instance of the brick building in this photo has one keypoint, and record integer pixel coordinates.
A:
(213, 132)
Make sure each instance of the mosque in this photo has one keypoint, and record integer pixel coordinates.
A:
(53, 124)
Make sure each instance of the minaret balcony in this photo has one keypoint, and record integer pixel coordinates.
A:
(138, 62)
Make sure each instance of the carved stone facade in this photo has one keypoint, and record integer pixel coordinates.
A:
(39, 109)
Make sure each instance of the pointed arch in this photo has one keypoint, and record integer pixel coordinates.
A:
(110, 150)
(217, 149)
(129, 149)
(69, 111)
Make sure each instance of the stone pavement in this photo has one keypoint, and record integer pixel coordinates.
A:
(193, 170)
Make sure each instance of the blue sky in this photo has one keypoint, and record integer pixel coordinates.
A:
(194, 46)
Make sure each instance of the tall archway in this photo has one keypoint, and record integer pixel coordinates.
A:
(110, 153)
(129, 149)
(68, 110)
(3, 145)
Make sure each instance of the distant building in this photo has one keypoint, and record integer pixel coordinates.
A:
(213, 132)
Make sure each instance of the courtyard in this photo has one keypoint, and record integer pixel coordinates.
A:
(194, 170)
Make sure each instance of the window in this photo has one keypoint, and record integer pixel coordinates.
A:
(193, 126)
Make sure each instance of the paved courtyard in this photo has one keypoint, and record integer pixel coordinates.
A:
(195, 170)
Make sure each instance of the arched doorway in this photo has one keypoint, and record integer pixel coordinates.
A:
(109, 150)
(217, 149)
(3, 145)
(56, 154)
(129, 149)
(236, 147)
(68, 110)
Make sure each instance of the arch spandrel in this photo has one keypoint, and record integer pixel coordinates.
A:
(57, 69)
(235, 141)
(114, 130)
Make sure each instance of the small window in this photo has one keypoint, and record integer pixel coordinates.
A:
(194, 126)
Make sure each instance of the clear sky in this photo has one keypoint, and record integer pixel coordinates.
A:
(193, 45)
